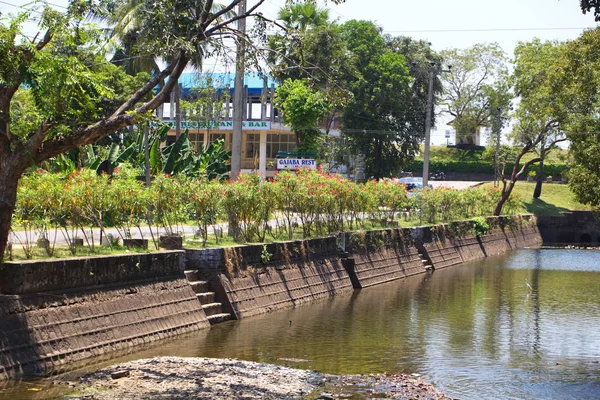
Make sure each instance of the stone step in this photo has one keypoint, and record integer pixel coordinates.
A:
(192, 275)
(212, 308)
(216, 318)
(199, 286)
(206, 297)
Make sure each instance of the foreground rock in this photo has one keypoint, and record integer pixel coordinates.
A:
(211, 378)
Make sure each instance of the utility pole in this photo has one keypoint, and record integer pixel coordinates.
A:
(497, 156)
(147, 152)
(434, 70)
(238, 96)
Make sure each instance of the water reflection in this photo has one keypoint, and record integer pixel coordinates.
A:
(476, 331)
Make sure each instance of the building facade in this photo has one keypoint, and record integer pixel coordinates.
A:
(263, 133)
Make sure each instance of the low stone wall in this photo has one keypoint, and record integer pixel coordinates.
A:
(56, 329)
(382, 255)
(257, 279)
(576, 227)
(68, 273)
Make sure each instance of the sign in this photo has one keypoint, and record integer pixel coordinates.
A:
(217, 125)
(447, 134)
(295, 163)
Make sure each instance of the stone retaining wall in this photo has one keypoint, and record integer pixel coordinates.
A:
(576, 227)
(452, 244)
(68, 273)
(141, 298)
(53, 330)
(383, 255)
(257, 279)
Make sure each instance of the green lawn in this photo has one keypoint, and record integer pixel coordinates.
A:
(555, 198)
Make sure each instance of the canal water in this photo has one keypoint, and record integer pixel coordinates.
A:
(521, 326)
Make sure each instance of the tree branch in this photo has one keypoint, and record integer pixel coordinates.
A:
(119, 119)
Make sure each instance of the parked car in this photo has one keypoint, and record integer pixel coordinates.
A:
(413, 183)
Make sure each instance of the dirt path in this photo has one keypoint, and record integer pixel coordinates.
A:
(210, 378)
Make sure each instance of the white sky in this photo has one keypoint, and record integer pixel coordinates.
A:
(462, 23)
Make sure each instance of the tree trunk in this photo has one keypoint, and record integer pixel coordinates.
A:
(9, 177)
(506, 191)
(537, 192)
(377, 160)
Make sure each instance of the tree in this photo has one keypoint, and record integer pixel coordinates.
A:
(312, 48)
(66, 81)
(303, 107)
(539, 117)
(589, 5)
(377, 121)
(476, 85)
(419, 55)
(575, 73)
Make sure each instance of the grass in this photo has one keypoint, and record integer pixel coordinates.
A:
(555, 199)
(62, 251)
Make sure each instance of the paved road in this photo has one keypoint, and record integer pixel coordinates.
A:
(455, 184)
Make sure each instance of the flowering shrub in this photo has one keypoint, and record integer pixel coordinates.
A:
(311, 201)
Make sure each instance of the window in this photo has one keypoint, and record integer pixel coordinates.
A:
(197, 140)
(277, 142)
(214, 136)
(252, 145)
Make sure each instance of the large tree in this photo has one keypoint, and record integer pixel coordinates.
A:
(539, 118)
(57, 90)
(420, 56)
(378, 120)
(311, 48)
(476, 85)
(575, 72)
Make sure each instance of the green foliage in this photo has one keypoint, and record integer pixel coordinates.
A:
(377, 121)
(318, 203)
(575, 85)
(265, 256)
(303, 107)
(480, 226)
(471, 167)
(477, 84)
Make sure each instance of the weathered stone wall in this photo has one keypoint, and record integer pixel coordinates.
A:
(576, 227)
(382, 255)
(63, 311)
(451, 244)
(44, 275)
(49, 330)
(256, 279)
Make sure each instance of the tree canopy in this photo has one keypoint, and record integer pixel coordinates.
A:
(58, 90)
(476, 85)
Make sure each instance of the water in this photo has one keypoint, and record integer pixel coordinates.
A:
(475, 331)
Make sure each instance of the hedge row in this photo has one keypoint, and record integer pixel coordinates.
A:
(471, 167)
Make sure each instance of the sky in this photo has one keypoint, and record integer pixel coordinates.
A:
(445, 24)
(463, 23)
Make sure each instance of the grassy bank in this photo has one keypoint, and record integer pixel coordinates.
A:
(555, 198)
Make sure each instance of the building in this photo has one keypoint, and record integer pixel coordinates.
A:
(263, 133)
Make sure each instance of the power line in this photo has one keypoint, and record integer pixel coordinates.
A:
(486, 30)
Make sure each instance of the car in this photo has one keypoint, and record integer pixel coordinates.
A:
(412, 183)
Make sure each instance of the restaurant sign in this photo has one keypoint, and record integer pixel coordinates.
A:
(218, 125)
(294, 163)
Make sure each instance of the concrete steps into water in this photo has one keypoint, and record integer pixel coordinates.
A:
(212, 308)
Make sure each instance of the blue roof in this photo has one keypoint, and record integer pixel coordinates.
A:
(254, 81)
